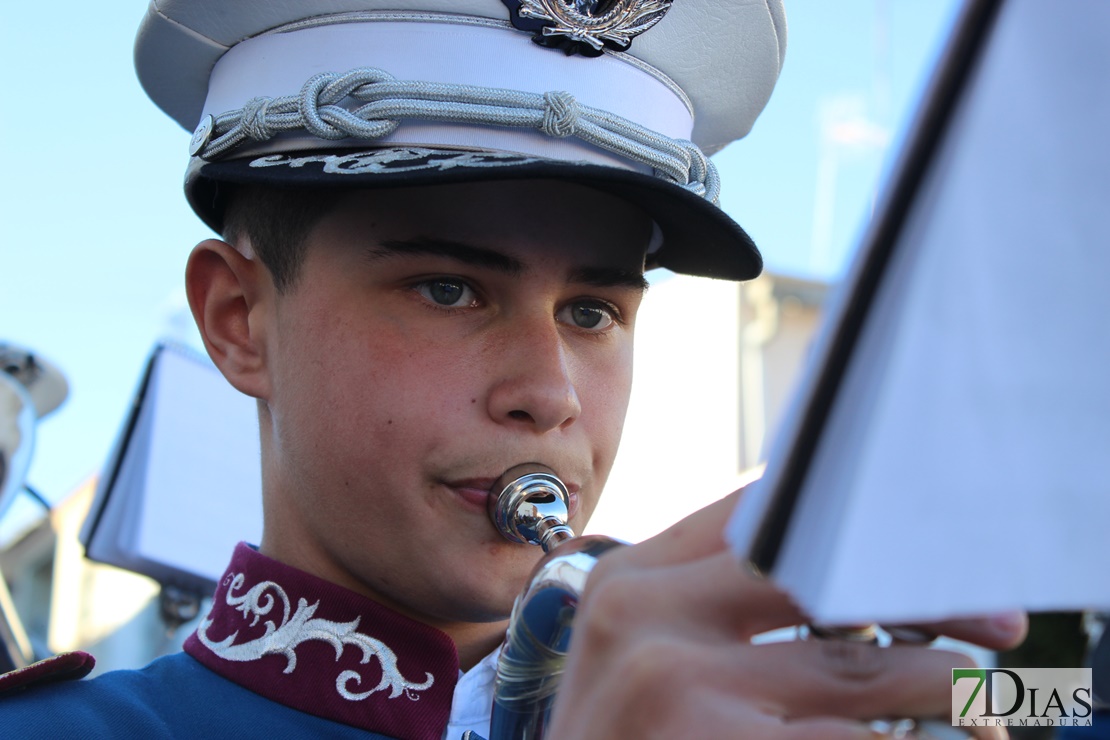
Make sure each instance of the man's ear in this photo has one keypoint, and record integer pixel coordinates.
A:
(230, 297)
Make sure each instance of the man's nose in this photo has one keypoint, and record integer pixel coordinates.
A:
(534, 384)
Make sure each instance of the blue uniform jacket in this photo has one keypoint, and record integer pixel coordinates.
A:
(173, 697)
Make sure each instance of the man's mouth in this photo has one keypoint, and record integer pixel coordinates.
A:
(475, 492)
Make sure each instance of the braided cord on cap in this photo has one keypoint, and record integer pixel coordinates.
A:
(386, 102)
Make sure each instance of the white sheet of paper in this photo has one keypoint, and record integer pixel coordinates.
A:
(965, 467)
(188, 485)
(203, 489)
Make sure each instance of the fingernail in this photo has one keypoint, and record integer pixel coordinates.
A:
(1009, 624)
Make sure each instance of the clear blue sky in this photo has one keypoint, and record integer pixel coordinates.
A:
(95, 230)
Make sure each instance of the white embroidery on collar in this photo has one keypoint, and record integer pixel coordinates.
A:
(301, 627)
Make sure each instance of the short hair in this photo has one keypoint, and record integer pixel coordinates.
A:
(278, 222)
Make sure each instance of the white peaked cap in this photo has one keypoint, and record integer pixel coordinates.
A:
(381, 93)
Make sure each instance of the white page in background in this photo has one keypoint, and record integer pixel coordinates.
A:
(114, 538)
(203, 485)
(974, 439)
(128, 500)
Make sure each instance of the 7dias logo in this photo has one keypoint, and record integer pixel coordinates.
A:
(1021, 697)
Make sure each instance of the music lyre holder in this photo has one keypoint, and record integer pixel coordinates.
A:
(29, 388)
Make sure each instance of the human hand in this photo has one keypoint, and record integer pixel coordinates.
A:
(662, 648)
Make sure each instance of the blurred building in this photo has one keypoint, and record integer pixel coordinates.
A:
(69, 603)
(778, 317)
(715, 366)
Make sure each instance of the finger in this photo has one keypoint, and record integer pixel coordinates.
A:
(828, 727)
(710, 599)
(998, 632)
(779, 689)
(931, 729)
(833, 678)
(910, 634)
(667, 709)
(697, 536)
(730, 718)
(989, 732)
(719, 590)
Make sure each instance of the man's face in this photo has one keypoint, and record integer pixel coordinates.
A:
(436, 337)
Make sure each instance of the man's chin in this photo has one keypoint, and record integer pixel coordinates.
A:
(469, 609)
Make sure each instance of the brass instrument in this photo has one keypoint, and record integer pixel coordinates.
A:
(30, 388)
(529, 504)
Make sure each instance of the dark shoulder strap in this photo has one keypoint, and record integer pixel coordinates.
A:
(62, 667)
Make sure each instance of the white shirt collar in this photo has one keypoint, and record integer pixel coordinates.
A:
(473, 700)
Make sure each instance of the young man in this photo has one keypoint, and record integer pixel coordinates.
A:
(436, 219)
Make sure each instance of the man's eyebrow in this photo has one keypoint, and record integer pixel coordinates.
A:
(466, 253)
(601, 277)
(609, 277)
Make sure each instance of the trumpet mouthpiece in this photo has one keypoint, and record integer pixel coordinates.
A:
(528, 504)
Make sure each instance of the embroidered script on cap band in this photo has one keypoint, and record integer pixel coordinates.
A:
(394, 159)
(387, 102)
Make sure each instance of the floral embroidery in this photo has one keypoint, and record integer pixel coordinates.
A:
(301, 627)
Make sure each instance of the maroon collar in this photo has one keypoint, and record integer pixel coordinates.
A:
(314, 646)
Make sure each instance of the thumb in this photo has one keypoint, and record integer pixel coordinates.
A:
(698, 536)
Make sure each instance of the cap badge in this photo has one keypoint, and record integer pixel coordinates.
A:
(586, 27)
(202, 135)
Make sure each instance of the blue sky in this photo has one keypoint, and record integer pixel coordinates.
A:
(96, 230)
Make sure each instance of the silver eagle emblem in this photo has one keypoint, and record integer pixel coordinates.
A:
(586, 27)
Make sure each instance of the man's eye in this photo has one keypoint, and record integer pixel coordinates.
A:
(444, 292)
(591, 315)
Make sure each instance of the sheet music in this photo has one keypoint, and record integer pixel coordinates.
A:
(188, 486)
(965, 467)
(203, 477)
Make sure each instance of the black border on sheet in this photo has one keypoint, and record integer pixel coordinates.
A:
(946, 88)
(100, 503)
(131, 419)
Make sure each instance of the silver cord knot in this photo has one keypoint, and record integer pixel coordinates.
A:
(324, 109)
(560, 114)
(254, 117)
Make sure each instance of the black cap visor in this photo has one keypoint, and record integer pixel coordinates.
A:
(698, 237)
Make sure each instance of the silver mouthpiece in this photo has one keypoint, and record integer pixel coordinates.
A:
(530, 505)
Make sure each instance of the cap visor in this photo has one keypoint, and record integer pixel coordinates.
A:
(698, 237)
